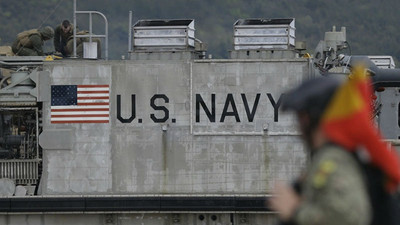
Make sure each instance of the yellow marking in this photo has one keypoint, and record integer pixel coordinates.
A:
(325, 169)
(48, 58)
(319, 180)
(328, 166)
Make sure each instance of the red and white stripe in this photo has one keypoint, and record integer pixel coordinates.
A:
(93, 106)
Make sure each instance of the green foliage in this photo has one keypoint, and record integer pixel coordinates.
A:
(371, 25)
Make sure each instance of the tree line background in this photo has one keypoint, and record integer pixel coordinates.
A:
(372, 26)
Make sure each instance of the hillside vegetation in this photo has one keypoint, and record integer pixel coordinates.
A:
(371, 25)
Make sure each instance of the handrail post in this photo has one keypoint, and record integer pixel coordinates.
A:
(74, 47)
(90, 27)
(130, 33)
(105, 36)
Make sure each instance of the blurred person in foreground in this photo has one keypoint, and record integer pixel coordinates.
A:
(351, 174)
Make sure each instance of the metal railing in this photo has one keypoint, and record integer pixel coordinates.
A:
(22, 171)
(91, 35)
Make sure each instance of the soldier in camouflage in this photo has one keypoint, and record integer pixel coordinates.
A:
(64, 43)
(332, 190)
(63, 33)
(30, 42)
(69, 48)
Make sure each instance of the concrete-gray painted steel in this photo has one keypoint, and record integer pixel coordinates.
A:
(180, 155)
(243, 148)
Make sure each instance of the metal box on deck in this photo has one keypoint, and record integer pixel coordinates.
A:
(264, 34)
(163, 35)
(90, 50)
(383, 61)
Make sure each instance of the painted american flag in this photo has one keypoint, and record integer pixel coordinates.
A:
(80, 104)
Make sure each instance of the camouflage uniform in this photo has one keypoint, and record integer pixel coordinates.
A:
(34, 46)
(61, 39)
(69, 48)
(333, 191)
